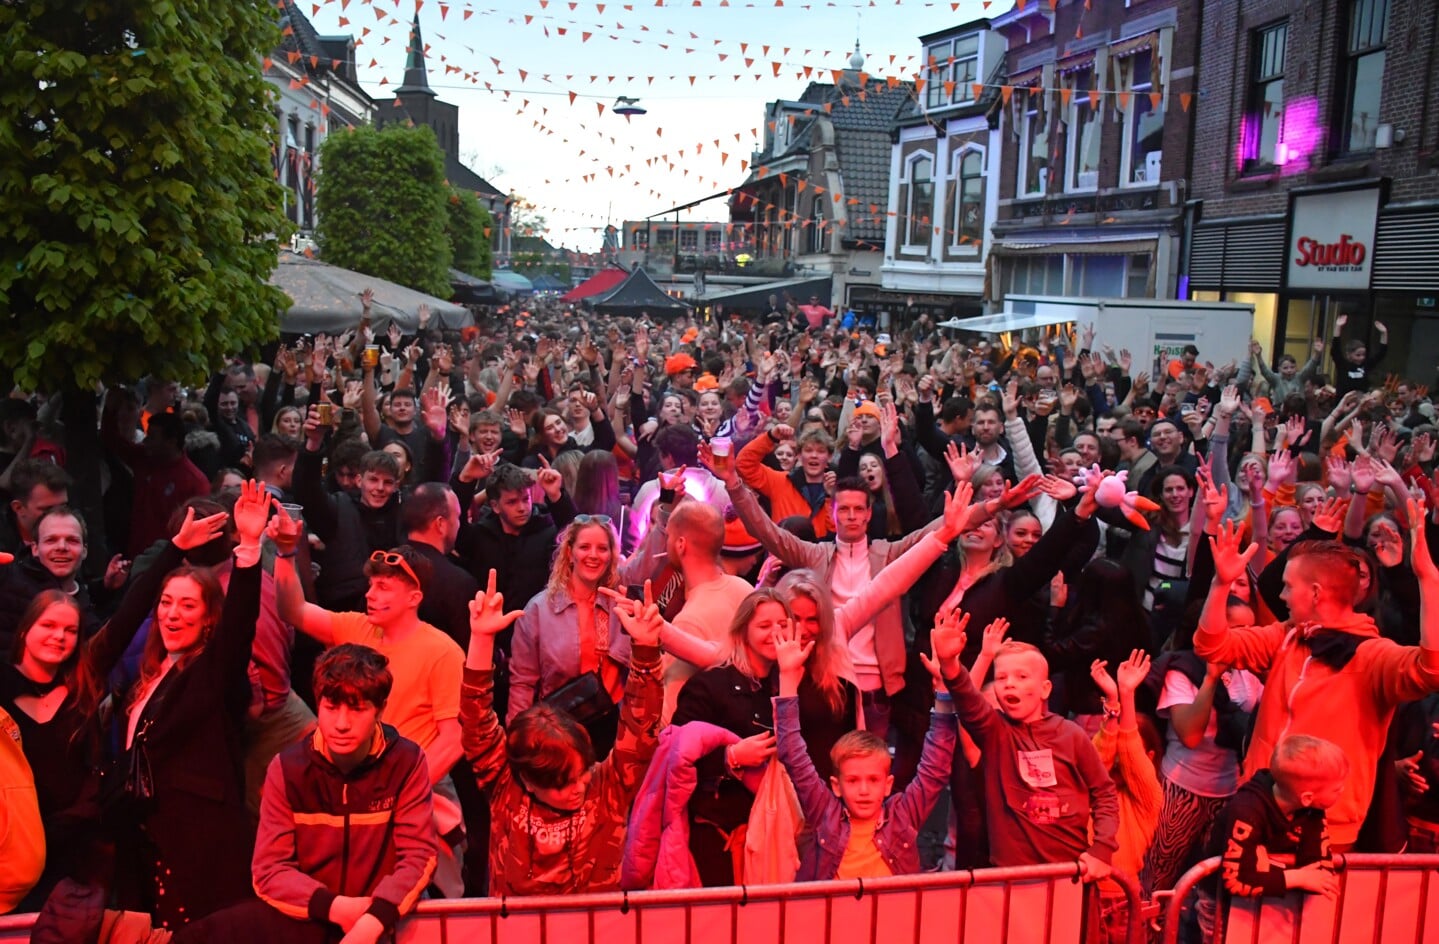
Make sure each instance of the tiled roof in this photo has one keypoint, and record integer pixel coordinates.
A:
(462, 178)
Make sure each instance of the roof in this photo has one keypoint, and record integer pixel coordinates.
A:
(639, 293)
(462, 178)
(756, 297)
(601, 282)
(417, 77)
(862, 119)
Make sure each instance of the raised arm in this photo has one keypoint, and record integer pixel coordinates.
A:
(481, 734)
(314, 621)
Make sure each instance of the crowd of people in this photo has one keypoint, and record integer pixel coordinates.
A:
(562, 603)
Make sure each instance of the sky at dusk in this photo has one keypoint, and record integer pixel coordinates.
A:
(529, 142)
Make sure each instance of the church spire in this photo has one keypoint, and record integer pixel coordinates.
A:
(417, 78)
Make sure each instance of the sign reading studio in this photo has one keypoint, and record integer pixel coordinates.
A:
(1331, 239)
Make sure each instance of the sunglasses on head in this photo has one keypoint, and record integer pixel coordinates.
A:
(592, 519)
(391, 559)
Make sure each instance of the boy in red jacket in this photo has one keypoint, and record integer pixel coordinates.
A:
(347, 841)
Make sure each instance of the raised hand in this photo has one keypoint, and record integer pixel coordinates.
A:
(673, 480)
(641, 619)
(432, 408)
(284, 532)
(487, 612)
(947, 641)
(1362, 474)
(1058, 488)
(516, 421)
(1229, 559)
(1016, 495)
(197, 531)
(1099, 672)
(888, 427)
(550, 480)
(791, 654)
(957, 506)
(962, 463)
(252, 508)
(1337, 472)
(993, 637)
(1329, 516)
(1132, 672)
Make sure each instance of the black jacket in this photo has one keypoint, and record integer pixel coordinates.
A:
(521, 562)
(351, 530)
(448, 593)
(19, 584)
(197, 834)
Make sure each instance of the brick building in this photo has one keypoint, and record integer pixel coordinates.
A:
(1315, 177)
(1093, 146)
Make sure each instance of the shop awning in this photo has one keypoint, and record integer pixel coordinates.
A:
(511, 281)
(755, 297)
(326, 298)
(1008, 321)
(1116, 247)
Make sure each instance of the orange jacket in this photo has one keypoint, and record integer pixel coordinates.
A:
(785, 498)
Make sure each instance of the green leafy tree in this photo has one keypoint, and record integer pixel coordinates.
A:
(469, 228)
(137, 194)
(382, 206)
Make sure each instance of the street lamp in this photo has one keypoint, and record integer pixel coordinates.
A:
(627, 106)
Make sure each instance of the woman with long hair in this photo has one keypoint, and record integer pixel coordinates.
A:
(289, 422)
(175, 797)
(569, 646)
(736, 696)
(48, 688)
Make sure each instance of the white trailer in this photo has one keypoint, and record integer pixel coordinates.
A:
(1154, 330)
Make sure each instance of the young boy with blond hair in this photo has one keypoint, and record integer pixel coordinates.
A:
(1048, 797)
(860, 831)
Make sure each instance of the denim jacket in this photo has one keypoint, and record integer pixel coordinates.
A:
(824, 813)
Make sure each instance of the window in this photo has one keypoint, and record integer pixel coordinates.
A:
(1082, 171)
(1364, 73)
(953, 70)
(1033, 179)
(1137, 283)
(1095, 276)
(641, 239)
(920, 205)
(817, 231)
(1264, 111)
(1143, 123)
(665, 239)
(968, 220)
(712, 240)
(689, 240)
(1037, 275)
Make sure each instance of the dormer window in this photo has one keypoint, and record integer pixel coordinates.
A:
(953, 68)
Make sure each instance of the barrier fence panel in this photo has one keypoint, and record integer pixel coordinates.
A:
(1040, 904)
(1388, 898)
(1043, 904)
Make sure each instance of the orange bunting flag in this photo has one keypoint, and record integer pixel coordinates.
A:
(784, 180)
(573, 96)
(1006, 92)
(1185, 99)
(948, 89)
(1094, 98)
(723, 157)
(1065, 94)
(600, 106)
(1124, 100)
(1154, 99)
(977, 88)
(762, 172)
(776, 65)
(444, 10)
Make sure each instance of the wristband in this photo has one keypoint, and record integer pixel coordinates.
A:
(667, 496)
(289, 555)
(943, 696)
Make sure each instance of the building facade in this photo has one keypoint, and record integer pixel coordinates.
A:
(1316, 172)
(815, 200)
(317, 92)
(942, 197)
(1094, 116)
(416, 103)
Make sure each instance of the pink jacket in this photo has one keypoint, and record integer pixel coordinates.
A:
(657, 845)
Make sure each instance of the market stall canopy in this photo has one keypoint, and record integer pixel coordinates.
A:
(756, 297)
(601, 282)
(1008, 321)
(544, 282)
(638, 294)
(470, 290)
(326, 298)
(512, 282)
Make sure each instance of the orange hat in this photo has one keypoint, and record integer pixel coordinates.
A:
(737, 541)
(868, 408)
(679, 363)
(705, 382)
(690, 335)
(1262, 403)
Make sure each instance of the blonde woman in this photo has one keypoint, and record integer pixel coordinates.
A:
(568, 646)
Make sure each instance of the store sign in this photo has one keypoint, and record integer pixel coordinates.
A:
(1331, 240)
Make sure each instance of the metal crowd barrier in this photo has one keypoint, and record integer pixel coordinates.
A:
(1392, 899)
(1042, 904)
